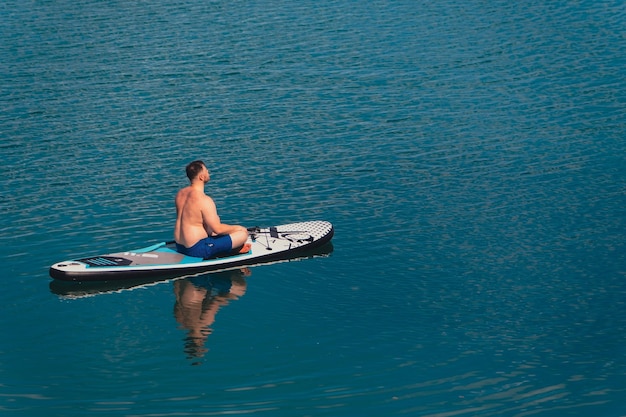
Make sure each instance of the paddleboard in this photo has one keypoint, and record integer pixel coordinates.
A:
(162, 259)
(79, 289)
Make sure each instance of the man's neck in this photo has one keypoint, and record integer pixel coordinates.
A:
(197, 185)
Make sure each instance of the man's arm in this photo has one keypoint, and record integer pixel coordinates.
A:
(212, 222)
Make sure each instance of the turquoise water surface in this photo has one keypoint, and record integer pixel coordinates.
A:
(471, 156)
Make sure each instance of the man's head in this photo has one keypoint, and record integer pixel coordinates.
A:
(195, 168)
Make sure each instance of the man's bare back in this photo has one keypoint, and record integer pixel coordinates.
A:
(196, 214)
(192, 206)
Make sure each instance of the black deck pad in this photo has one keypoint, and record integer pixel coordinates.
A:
(106, 261)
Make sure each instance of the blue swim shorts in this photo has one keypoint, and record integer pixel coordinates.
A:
(208, 247)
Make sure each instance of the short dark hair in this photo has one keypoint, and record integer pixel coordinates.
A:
(194, 168)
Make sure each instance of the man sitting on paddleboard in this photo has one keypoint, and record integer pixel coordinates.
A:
(199, 231)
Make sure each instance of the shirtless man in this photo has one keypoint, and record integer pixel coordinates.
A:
(199, 231)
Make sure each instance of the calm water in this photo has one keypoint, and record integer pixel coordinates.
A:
(470, 154)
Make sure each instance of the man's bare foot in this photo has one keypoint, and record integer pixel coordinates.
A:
(245, 248)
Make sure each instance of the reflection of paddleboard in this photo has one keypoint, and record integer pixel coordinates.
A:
(162, 260)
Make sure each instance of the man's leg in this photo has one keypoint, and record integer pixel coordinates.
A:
(239, 238)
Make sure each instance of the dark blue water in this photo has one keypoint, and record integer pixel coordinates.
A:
(471, 156)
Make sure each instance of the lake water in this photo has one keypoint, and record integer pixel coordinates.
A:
(471, 156)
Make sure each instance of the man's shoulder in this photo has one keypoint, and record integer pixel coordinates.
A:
(191, 194)
(206, 198)
(199, 196)
(183, 193)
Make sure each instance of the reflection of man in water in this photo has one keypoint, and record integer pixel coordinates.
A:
(199, 298)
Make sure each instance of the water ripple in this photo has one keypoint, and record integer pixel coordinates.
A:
(470, 156)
